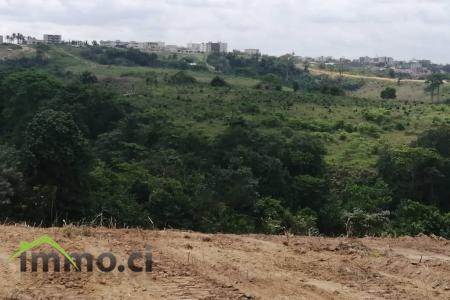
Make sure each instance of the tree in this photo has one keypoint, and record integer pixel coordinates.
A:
(306, 67)
(413, 218)
(11, 182)
(389, 93)
(56, 157)
(415, 173)
(436, 138)
(269, 215)
(433, 85)
(295, 86)
(23, 93)
(88, 78)
(392, 73)
(360, 223)
(93, 107)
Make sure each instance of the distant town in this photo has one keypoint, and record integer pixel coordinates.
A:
(158, 46)
(411, 68)
(414, 68)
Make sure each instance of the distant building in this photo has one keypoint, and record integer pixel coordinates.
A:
(324, 59)
(52, 39)
(425, 62)
(388, 61)
(252, 51)
(365, 60)
(110, 44)
(1, 39)
(135, 45)
(197, 47)
(78, 44)
(114, 44)
(155, 46)
(171, 48)
(218, 47)
(33, 41)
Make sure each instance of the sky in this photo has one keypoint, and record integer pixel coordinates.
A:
(403, 29)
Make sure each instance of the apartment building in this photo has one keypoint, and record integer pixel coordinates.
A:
(52, 39)
(252, 51)
(218, 47)
(197, 47)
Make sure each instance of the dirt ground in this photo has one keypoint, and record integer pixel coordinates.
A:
(190, 265)
(9, 52)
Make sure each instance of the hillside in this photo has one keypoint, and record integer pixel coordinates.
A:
(190, 265)
(400, 120)
(164, 142)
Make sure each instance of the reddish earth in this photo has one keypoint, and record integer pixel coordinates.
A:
(190, 265)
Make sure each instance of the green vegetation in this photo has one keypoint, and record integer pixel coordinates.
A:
(388, 93)
(256, 145)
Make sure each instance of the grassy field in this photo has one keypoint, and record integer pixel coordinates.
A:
(407, 90)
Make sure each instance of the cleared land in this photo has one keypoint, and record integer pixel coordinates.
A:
(13, 52)
(198, 266)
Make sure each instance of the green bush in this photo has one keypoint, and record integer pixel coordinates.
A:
(218, 82)
(369, 130)
(414, 218)
(389, 93)
(182, 78)
(377, 115)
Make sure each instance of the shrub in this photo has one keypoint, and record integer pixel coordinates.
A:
(377, 115)
(305, 223)
(182, 78)
(218, 82)
(369, 130)
(415, 218)
(389, 93)
(359, 222)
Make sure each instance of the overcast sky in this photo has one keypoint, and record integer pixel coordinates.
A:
(400, 28)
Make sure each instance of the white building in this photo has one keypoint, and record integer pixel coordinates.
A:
(52, 39)
(365, 60)
(171, 48)
(384, 60)
(197, 47)
(135, 45)
(155, 46)
(252, 51)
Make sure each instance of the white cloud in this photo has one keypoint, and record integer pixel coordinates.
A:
(402, 28)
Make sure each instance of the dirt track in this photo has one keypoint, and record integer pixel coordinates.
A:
(197, 266)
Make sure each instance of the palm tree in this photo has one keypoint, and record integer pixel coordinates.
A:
(433, 84)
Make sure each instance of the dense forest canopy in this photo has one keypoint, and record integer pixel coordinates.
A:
(212, 157)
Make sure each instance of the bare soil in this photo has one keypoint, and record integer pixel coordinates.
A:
(190, 265)
(10, 52)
